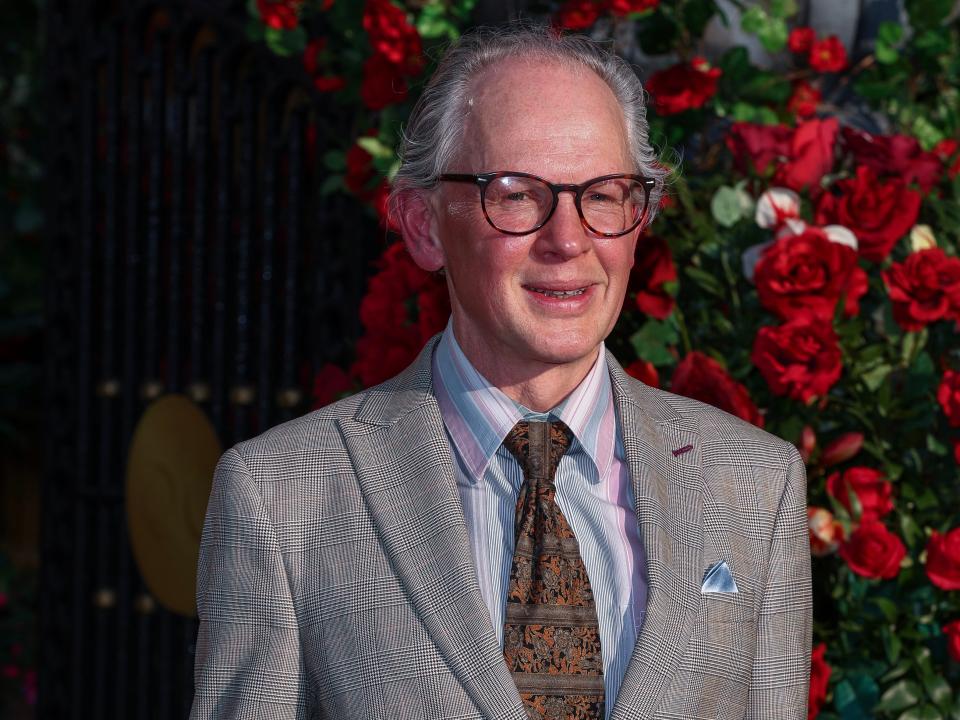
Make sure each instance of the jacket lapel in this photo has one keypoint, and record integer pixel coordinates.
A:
(397, 443)
(668, 488)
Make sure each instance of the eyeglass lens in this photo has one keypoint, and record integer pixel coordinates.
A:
(520, 204)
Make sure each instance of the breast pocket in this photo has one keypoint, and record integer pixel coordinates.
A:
(727, 633)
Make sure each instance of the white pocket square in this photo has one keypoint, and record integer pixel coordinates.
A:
(718, 579)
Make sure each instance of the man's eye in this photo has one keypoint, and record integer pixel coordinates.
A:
(597, 197)
(518, 196)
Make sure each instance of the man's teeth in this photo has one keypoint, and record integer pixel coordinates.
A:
(559, 293)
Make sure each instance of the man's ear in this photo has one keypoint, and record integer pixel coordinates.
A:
(416, 216)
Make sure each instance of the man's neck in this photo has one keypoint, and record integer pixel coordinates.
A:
(539, 386)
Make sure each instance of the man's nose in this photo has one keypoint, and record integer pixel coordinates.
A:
(564, 235)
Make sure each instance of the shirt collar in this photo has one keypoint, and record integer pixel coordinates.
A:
(479, 415)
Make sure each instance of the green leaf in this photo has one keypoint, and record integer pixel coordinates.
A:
(925, 712)
(913, 343)
(854, 697)
(890, 32)
(892, 644)
(335, 160)
(899, 696)
(936, 447)
(736, 67)
(286, 42)
(657, 34)
(911, 530)
(773, 35)
(888, 39)
(652, 340)
(753, 19)
(875, 377)
(376, 147)
(926, 132)
(332, 184)
(707, 281)
(888, 607)
(730, 204)
(696, 14)
(938, 690)
(783, 8)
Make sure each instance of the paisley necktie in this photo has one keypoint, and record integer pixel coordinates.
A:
(551, 638)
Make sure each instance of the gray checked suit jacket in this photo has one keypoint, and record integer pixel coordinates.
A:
(336, 580)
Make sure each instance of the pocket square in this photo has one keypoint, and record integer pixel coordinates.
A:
(718, 579)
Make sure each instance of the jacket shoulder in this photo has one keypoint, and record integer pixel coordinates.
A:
(316, 430)
(723, 435)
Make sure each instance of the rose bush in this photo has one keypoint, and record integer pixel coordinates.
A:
(802, 275)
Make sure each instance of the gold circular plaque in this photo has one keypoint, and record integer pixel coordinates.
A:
(170, 467)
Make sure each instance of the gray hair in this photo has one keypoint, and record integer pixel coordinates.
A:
(433, 133)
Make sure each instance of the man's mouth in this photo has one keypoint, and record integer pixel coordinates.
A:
(557, 293)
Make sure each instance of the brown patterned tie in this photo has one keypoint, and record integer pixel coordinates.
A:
(551, 637)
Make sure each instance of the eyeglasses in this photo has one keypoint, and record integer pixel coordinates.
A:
(517, 203)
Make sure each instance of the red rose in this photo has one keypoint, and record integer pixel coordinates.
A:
(872, 489)
(758, 144)
(329, 383)
(878, 213)
(804, 100)
(948, 395)
(819, 680)
(873, 551)
(801, 39)
(382, 84)
(924, 288)
(577, 14)
(644, 372)
(842, 449)
(652, 270)
(280, 14)
(897, 155)
(392, 36)
(800, 359)
(952, 631)
(700, 377)
(684, 86)
(943, 559)
(807, 443)
(809, 273)
(359, 172)
(381, 356)
(811, 154)
(946, 149)
(828, 55)
(628, 7)
(392, 338)
(826, 533)
(315, 62)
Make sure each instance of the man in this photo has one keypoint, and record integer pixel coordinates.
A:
(512, 527)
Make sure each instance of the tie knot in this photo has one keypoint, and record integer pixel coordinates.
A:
(538, 446)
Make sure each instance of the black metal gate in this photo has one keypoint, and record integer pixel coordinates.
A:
(189, 251)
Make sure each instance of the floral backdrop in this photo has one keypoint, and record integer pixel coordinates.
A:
(803, 274)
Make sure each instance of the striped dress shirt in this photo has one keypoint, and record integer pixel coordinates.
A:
(593, 492)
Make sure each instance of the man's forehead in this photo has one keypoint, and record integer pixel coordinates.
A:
(536, 103)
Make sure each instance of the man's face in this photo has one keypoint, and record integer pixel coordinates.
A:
(566, 126)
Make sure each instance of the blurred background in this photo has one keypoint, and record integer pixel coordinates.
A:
(193, 248)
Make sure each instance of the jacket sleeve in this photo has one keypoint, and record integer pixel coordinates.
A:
(781, 673)
(248, 661)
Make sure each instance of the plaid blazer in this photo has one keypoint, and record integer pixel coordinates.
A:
(336, 581)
